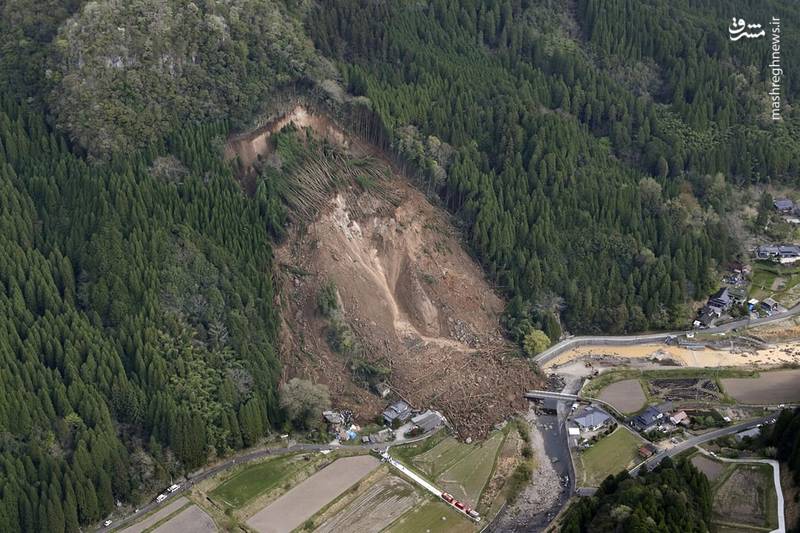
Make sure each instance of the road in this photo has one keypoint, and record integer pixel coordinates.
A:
(700, 439)
(246, 458)
(647, 338)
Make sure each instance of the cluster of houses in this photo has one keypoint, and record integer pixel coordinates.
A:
(654, 418)
(780, 253)
(341, 427)
(719, 304)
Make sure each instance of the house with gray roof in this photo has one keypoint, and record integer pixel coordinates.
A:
(399, 411)
(592, 419)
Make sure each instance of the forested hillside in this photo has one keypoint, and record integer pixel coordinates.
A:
(674, 497)
(588, 147)
(586, 169)
(137, 321)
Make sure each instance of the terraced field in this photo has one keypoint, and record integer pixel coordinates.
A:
(377, 507)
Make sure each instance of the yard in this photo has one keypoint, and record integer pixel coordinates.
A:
(252, 481)
(773, 281)
(610, 455)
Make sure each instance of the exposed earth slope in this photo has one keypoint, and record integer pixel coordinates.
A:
(414, 299)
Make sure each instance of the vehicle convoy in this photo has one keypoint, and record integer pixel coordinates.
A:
(472, 513)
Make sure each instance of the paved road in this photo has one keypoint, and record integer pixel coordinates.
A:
(647, 338)
(700, 439)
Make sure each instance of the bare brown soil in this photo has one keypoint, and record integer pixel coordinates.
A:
(415, 300)
(712, 469)
(303, 501)
(741, 499)
(626, 396)
(780, 386)
(191, 519)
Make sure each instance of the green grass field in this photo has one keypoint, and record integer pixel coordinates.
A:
(466, 479)
(786, 291)
(432, 517)
(610, 455)
(441, 457)
(255, 480)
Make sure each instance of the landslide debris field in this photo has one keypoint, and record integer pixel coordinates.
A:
(411, 305)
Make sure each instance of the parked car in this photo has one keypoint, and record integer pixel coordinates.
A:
(107, 523)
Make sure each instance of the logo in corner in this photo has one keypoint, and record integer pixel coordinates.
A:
(738, 27)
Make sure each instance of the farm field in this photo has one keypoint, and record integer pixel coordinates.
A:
(159, 515)
(377, 507)
(711, 468)
(306, 499)
(626, 396)
(744, 497)
(191, 519)
(432, 517)
(779, 386)
(256, 479)
(772, 281)
(611, 454)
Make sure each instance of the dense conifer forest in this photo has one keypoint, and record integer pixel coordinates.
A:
(675, 497)
(588, 147)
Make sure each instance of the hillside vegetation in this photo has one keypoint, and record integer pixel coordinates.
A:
(577, 177)
(588, 149)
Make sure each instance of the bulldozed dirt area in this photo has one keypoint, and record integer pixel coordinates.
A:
(413, 299)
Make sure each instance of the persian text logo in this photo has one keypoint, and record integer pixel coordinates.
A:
(738, 27)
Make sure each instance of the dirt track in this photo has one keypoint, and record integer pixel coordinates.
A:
(304, 500)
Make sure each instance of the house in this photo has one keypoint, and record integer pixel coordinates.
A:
(383, 435)
(769, 305)
(647, 450)
(789, 253)
(767, 251)
(783, 205)
(592, 419)
(783, 253)
(399, 411)
(427, 421)
(752, 433)
(647, 420)
(721, 300)
(679, 417)
(706, 317)
(334, 419)
(382, 389)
